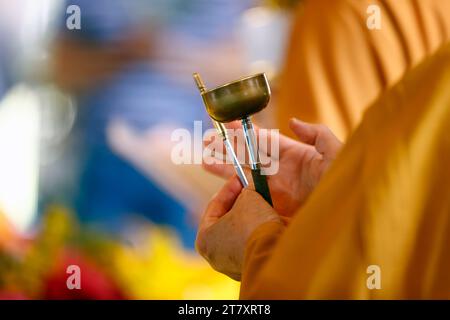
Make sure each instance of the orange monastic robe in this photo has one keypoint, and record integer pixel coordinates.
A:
(385, 201)
(336, 67)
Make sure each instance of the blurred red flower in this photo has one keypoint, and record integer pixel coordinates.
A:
(95, 284)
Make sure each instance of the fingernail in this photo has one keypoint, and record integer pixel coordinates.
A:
(295, 121)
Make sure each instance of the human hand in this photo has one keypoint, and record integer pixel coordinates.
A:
(301, 164)
(138, 45)
(231, 217)
(78, 66)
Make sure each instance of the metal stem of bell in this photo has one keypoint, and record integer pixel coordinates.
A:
(222, 131)
(237, 166)
(250, 139)
(230, 151)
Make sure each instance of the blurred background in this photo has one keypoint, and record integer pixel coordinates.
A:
(86, 117)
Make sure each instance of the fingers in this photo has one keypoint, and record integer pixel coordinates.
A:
(234, 125)
(227, 171)
(306, 132)
(270, 142)
(249, 197)
(253, 209)
(266, 139)
(222, 170)
(222, 202)
(317, 135)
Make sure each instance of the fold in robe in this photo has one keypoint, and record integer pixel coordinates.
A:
(385, 201)
(336, 67)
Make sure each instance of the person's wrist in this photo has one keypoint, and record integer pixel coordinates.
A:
(260, 243)
(263, 227)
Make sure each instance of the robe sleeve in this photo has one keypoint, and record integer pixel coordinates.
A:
(384, 204)
(258, 250)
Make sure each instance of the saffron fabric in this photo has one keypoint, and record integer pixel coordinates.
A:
(385, 201)
(336, 66)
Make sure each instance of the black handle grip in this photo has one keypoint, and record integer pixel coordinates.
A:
(261, 185)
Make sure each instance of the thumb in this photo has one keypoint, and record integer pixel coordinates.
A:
(222, 202)
(317, 135)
